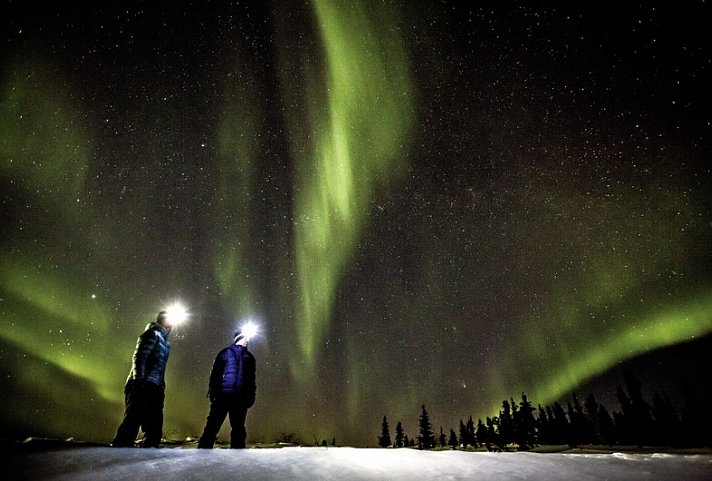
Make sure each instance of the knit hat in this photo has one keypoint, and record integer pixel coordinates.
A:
(239, 335)
(245, 331)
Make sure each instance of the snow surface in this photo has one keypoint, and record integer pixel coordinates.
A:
(344, 464)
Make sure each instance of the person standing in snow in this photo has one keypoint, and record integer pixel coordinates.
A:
(145, 386)
(231, 391)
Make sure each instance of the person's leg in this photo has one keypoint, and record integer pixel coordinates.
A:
(152, 421)
(218, 411)
(238, 434)
(128, 430)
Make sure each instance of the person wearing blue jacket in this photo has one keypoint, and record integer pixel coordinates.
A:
(145, 387)
(231, 391)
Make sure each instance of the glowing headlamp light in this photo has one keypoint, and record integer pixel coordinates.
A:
(249, 330)
(176, 313)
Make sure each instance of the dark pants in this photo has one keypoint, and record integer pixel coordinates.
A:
(144, 409)
(219, 408)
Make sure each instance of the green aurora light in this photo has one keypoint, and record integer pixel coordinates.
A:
(48, 310)
(357, 133)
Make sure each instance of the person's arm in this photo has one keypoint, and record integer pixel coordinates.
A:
(249, 373)
(216, 374)
(145, 344)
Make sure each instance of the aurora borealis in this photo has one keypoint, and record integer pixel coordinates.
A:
(441, 203)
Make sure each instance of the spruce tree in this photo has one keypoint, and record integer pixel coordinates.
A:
(493, 432)
(467, 433)
(384, 440)
(399, 435)
(623, 418)
(559, 424)
(482, 434)
(442, 439)
(463, 434)
(470, 429)
(543, 426)
(426, 439)
(525, 424)
(580, 428)
(452, 442)
(592, 409)
(506, 425)
(573, 436)
(636, 412)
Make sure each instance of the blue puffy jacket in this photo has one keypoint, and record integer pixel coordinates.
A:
(151, 355)
(233, 373)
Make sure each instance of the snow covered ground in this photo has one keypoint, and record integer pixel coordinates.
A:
(343, 464)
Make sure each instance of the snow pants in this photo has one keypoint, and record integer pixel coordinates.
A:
(220, 407)
(144, 409)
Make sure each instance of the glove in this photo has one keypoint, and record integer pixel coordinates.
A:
(250, 400)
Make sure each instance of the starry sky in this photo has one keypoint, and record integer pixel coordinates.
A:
(424, 202)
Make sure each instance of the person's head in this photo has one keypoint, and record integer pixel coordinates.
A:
(240, 338)
(162, 319)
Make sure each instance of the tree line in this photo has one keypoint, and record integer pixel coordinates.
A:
(521, 426)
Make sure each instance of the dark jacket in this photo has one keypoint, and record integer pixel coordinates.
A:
(151, 355)
(233, 373)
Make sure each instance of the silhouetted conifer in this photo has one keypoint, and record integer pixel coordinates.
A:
(493, 436)
(579, 427)
(525, 424)
(426, 439)
(467, 433)
(639, 426)
(399, 435)
(482, 435)
(506, 425)
(591, 408)
(515, 419)
(543, 427)
(559, 424)
(572, 437)
(621, 429)
(470, 430)
(463, 434)
(384, 440)
(620, 418)
(637, 422)
(442, 439)
(452, 442)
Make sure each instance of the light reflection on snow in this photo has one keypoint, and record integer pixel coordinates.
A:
(347, 464)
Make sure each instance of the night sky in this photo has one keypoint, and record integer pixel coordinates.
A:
(420, 202)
